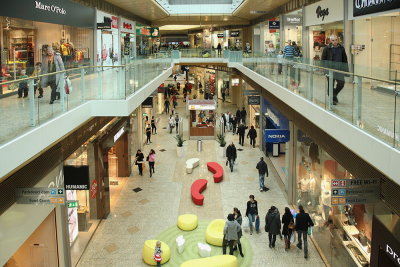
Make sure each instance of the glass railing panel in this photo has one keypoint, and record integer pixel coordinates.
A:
(397, 117)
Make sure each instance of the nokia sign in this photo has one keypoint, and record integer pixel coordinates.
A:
(277, 136)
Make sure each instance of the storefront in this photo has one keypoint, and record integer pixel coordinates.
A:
(128, 40)
(108, 39)
(147, 40)
(292, 28)
(235, 40)
(272, 34)
(273, 121)
(322, 20)
(343, 231)
(209, 82)
(380, 59)
(26, 34)
(223, 86)
(219, 37)
(202, 119)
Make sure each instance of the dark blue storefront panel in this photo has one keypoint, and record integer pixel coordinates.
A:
(277, 135)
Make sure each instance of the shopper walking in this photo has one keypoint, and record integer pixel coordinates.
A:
(303, 222)
(238, 118)
(53, 63)
(157, 253)
(272, 225)
(243, 115)
(166, 106)
(238, 218)
(289, 53)
(176, 122)
(234, 122)
(231, 155)
(171, 123)
(288, 226)
(151, 158)
(253, 135)
(219, 48)
(223, 94)
(251, 211)
(153, 125)
(262, 171)
(334, 57)
(231, 230)
(139, 161)
(241, 131)
(23, 86)
(148, 134)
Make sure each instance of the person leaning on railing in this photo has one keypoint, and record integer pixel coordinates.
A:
(334, 57)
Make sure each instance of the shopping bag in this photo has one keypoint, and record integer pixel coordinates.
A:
(68, 86)
(245, 225)
(310, 230)
(293, 238)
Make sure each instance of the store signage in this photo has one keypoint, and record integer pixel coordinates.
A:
(234, 33)
(250, 92)
(293, 20)
(395, 256)
(277, 135)
(148, 102)
(119, 134)
(355, 182)
(127, 26)
(154, 32)
(364, 7)
(93, 189)
(50, 8)
(253, 100)
(114, 22)
(273, 117)
(354, 191)
(324, 11)
(62, 12)
(302, 137)
(220, 35)
(104, 26)
(76, 177)
(274, 25)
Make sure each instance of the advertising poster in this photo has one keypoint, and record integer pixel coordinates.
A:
(319, 38)
(72, 218)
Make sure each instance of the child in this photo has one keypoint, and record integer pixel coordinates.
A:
(280, 61)
(157, 253)
(23, 86)
(37, 71)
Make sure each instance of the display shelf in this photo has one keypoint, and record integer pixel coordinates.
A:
(351, 231)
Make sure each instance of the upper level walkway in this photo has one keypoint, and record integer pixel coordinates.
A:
(366, 119)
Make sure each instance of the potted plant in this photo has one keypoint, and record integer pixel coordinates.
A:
(179, 146)
(222, 144)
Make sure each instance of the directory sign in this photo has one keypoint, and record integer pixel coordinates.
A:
(40, 195)
(354, 191)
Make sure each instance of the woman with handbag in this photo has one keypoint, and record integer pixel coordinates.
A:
(238, 218)
(151, 158)
(288, 226)
(139, 161)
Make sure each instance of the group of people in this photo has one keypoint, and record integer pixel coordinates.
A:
(52, 62)
(150, 128)
(274, 225)
(151, 159)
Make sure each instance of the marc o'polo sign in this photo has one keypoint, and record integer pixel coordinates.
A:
(62, 12)
(364, 7)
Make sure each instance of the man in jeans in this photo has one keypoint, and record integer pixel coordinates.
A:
(303, 221)
(262, 170)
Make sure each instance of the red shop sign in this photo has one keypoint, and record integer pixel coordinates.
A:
(93, 189)
(127, 26)
(114, 22)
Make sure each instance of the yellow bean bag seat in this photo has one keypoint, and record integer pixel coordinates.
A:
(215, 232)
(215, 261)
(187, 222)
(148, 252)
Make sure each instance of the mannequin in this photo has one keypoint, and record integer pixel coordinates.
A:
(326, 196)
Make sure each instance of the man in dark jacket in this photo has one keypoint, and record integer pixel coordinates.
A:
(272, 225)
(166, 106)
(303, 221)
(243, 115)
(241, 131)
(334, 57)
(262, 170)
(231, 155)
(253, 135)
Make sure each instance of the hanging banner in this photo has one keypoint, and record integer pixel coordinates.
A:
(274, 25)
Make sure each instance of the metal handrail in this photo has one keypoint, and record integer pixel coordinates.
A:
(340, 71)
(58, 72)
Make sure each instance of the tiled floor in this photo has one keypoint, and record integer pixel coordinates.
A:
(136, 217)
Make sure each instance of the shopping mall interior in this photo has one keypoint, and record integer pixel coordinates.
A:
(221, 133)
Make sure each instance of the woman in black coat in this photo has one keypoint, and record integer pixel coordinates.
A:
(272, 225)
(287, 219)
(139, 161)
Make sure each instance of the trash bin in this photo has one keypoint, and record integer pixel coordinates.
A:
(199, 145)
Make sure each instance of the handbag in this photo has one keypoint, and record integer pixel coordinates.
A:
(147, 158)
(309, 230)
(291, 225)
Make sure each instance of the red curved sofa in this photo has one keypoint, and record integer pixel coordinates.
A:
(217, 170)
(198, 186)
